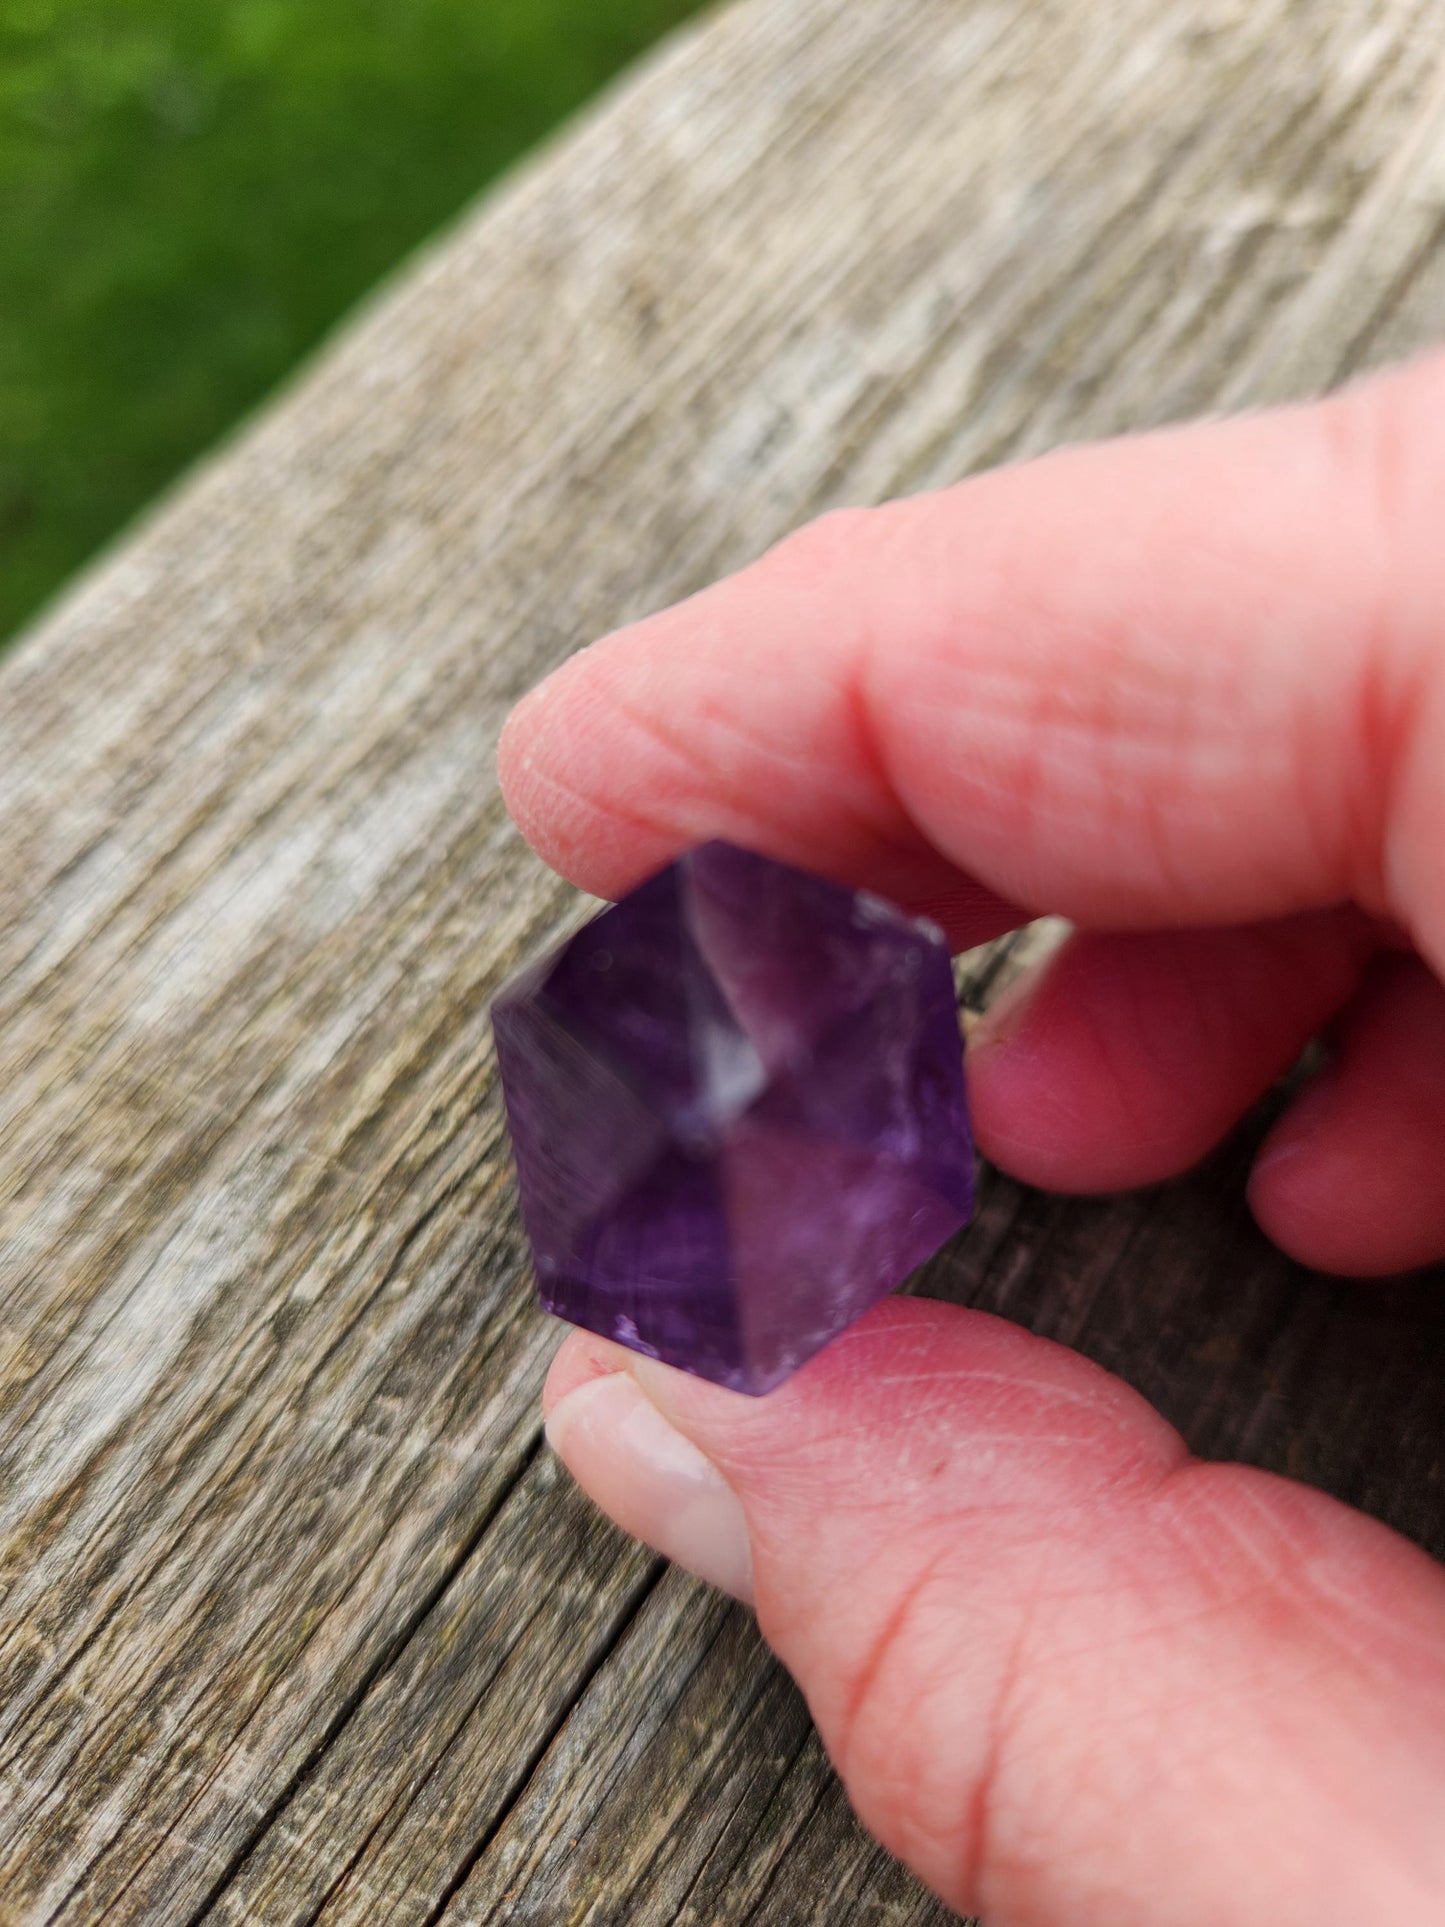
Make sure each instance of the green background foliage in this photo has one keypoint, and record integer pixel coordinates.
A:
(191, 192)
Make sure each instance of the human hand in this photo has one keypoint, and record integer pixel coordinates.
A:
(1189, 691)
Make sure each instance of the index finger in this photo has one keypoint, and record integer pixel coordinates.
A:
(1191, 677)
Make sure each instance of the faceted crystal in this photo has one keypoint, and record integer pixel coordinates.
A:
(737, 1110)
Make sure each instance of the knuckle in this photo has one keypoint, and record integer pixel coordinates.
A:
(924, 1740)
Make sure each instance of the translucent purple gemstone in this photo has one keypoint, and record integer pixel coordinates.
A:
(737, 1109)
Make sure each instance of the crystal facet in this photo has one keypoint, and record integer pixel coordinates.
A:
(737, 1110)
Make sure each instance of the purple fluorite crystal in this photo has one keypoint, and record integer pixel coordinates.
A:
(737, 1109)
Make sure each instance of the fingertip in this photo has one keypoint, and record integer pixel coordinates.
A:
(606, 799)
(1305, 1205)
(645, 1474)
(512, 745)
(1311, 1196)
(1352, 1178)
(591, 844)
(516, 747)
(517, 772)
(1301, 1197)
(580, 1358)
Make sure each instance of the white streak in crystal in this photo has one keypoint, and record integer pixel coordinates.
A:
(870, 911)
(732, 1072)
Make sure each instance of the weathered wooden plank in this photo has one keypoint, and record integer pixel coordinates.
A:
(444, 1737)
(296, 1625)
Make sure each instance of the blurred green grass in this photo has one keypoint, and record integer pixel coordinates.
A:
(192, 191)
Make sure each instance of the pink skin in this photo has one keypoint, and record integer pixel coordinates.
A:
(1188, 690)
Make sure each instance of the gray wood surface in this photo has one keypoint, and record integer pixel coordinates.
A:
(298, 1621)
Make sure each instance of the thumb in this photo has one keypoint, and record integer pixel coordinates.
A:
(1067, 1673)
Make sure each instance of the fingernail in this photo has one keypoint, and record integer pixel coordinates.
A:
(653, 1481)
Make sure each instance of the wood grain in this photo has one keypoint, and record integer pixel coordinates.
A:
(297, 1622)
